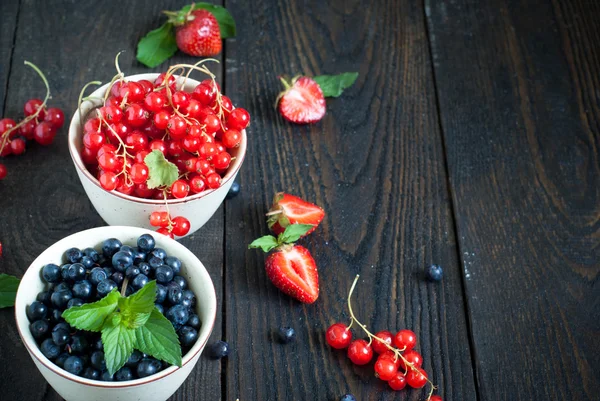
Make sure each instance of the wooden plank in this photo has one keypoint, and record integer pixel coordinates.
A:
(42, 199)
(376, 164)
(9, 12)
(518, 88)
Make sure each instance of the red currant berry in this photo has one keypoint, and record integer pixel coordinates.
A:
(177, 127)
(17, 146)
(378, 346)
(413, 357)
(190, 164)
(158, 144)
(174, 149)
(140, 157)
(181, 100)
(405, 340)
(147, 85)
(93, 140)
(107, 147)
(385, 368)
(142, 191)
(212, 123)
(108, 161)
(125, 187)
(435, 398)
(111, 114)
(161, 119)
(338, 336)
(55, 117)
(166, 232)
(113, 101)
(212, 83)
(44, 133)
(205, 94)
(205, 138)
(160, 80)
(26, 129)
(32, 106)
(134, 92)
(213, 180)
(139, 173)
(92, 125)
(190, 143)
(207, 150)
(220, 147)
(115, 90)
(398, 382)
(6, 124)
(109, 180)
(238, 119)
(3, 171)
(203, 166)
(197, 184)
(360, 352)
(137, 140)
(416, 378)
(136, 116)
(181, 226)
(155, 101)
(180, 189)
(89, 157)
(232, 138)
(226, 105)
(6, 151)
(222, 160)
(194, 110)
(159, 219)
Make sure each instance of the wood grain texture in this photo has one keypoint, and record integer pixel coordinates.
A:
(8, 22)
(375, 163)
(519, 94)
(42, 199)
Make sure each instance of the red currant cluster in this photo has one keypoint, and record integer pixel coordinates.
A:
(398, 363)
(168, 226)
(40, 124)
(196, 131)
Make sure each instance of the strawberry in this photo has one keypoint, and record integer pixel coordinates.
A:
(289, 209)
(199, 35)
(302, 101)
(291, 268)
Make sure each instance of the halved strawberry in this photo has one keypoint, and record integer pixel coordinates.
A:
(289, 209)
(291, 268)
(302, 101)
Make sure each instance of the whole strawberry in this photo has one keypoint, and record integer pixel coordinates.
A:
(199, 35)
(290, 267)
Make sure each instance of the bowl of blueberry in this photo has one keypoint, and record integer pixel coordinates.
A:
(115, 313)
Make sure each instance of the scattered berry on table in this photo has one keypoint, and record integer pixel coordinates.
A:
(348, 397)
(435, 398)
(360, 352)
(378, 345)
(302, 101)
(286, 335)
(435, 272)
(218, 350)
(233, 191)
(338, 336)
(289, 209)
(405, 340)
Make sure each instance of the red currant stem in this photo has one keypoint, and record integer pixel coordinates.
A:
(170, 225)
(204, 70)
(6, 134)
(81, 98)
(372, 336)
(124, 288)
(110, 85)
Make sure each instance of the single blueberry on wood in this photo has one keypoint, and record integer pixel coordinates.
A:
(286, 335)
(233, 191)
(218, 350)
(435, 272)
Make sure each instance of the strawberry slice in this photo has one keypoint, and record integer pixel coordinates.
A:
(291, 268)
(302, 101)
(289, 209)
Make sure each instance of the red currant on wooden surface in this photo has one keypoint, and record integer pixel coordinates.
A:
(360, 352)
(385, 368)
(379, 345)
(3, 171)
(412, 357)
(416, 378)
(405, 340)
(338, 336)
(398, 382)
(181, 226)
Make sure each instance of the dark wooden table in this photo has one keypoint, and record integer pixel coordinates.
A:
(471, 139)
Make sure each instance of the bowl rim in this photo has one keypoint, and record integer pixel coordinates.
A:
(36, 353)
(87, 105)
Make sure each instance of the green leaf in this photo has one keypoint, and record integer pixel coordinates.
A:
(225, 20)
(8, 290)
(293, 232)
(157, 46)
(118, 343)
(266, 243)
(136, 308)
(334, 85)
(91, 316)
(158, 338)
(162, 173)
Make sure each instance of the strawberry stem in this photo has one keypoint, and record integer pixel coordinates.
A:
(274, 212)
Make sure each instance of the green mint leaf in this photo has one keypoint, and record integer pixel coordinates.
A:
(8, 290)
(158, 338)
(266, 243)
(91, 316)
(136, 308)
(157, 46)
(162, 173)
(118, 341)
(293, 232)
(334, 85)
(225, 20)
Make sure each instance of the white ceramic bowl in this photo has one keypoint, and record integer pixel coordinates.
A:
(120, 209)
(157, 387)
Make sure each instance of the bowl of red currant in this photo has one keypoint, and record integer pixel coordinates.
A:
(158, 151)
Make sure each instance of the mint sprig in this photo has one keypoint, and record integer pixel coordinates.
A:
(8, 290)
(128, 323)
(334, 85)
(292, 233)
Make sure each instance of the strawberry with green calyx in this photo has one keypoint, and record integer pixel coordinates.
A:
(196, 29)
(290, 267)
(303, 100)
(289, 209)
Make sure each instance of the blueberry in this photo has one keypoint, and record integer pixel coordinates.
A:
(160, 308)
(64, 271)
(79, 344)
(159, 253)
(44, 297)
(129, 290)
(74, 255)
(146, 243)
(60, 299)
(110, 247)
(174, 293)
(189, 299)
(98, 344)
(145, 268)
(61, 287)
(104, 287)
(74, 365)
(218, 350)
(56, 316)
(97, 275)
(91, 373)
(51, 273)
(135, 357)
(148, 367)
(155, 262)
(82, 289)
(132, 271)
(286, 335)
(118, 278)
(76, 272)
(49, 349)
(178, 315)
(61, 326)
(164, 274)
(348, 397)
(39, 329)
(37, 310)
(194, 321)
(97, 360)
(109, 270)
(435, 272)
(87, 262)
(60, 360)
(74, 302)
(107, 377)
(233, 191)
(92, 253)
(128, 249)
(139, 281)
(124, 374)
(181, 281)
(122, 260)
(138, 257)
(188, 336)
(161, 293)
(174, 263)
